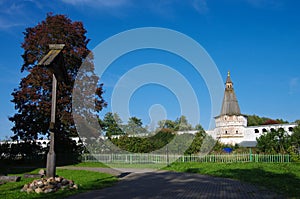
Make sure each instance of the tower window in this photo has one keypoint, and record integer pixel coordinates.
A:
(236, 132)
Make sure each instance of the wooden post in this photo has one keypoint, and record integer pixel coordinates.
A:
(51, 157)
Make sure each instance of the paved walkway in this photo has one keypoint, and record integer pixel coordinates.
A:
(139, 184)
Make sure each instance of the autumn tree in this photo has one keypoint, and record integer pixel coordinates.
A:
(32, 98)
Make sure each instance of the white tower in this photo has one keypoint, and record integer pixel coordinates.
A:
(230, 124)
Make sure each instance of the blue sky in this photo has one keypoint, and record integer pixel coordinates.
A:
(257, 40)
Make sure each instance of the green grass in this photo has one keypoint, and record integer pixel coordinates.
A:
(86, 180)
(119, 165)
(283, 178)
(90, 164)
(137, 166)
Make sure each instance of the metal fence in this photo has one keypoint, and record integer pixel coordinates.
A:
(167, 158)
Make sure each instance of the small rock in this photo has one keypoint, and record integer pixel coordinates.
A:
(51, 179)
(64, 187)
(50, 186)
(71, 182)
(41, 185)
(58, 185)
(64, 182)
(58, 179)
(75, 186)
(29, 190)
(38, 190)
(48, 190)
(45, 185)
(25, 187)
(42, 172)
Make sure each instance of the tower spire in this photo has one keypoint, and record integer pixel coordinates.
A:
(230, 104)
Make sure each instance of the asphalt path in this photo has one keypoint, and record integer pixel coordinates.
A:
(144, 184)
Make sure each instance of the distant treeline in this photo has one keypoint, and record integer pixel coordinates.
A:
(254, 120)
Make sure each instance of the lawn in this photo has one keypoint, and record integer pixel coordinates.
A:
(283, 178)
(119, 165)
(90, 164)
(86, 180)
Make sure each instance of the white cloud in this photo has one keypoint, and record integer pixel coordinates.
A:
(7, 24)
(294, 85)
(8, 13)
(271, 4)
(200, 6)
(16, 13)
(99, 3)
(161, 7)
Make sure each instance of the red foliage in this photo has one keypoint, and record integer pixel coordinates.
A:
(32, 98)
(270, 121)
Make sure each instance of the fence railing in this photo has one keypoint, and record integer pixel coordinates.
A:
(167, 158)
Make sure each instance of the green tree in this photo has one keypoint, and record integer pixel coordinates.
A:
(166, 124)
(275, 141)
(32, 98)
(111, 124)
(199, 127)
(134, 126)
(182, 124)
(294, 149)
(144, 145)
(297, 122)
(295, 138)
(254, 120)
(202, 143)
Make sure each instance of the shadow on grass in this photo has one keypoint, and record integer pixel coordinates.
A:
(285, 183)
(193, 170)
(98, 184)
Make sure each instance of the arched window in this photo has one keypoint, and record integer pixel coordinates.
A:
(256, 131)
(225, 132)
(237, 132)
(264, 130)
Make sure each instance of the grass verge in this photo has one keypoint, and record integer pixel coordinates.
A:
(90, 164)
(86, 180)
(119, 165)
(283, 178)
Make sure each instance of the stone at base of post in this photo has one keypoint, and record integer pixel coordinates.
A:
(51, 168)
